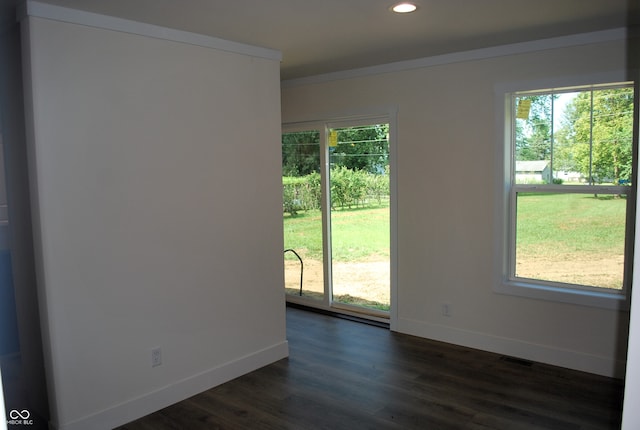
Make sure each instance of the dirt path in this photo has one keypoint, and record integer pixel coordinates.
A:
(367, 279)
(606, 271)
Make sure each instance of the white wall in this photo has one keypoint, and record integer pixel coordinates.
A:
(447, 134)
(631, 415)
(155, 169)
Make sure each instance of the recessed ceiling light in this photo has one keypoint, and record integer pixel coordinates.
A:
(404, 7)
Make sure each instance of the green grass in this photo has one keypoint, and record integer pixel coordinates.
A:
(358, 234)
(558, 223)
(568, 223)
(571, 238)
(303, 233)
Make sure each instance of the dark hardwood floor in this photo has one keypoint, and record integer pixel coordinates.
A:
(348, 375)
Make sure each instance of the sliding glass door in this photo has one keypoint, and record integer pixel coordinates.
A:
(337, 215)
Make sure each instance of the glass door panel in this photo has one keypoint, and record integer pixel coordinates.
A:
(302, 216)
(360, 216)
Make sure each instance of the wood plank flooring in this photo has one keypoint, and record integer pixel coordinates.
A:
(348, 375)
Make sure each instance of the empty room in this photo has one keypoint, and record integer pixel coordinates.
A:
(335, 214)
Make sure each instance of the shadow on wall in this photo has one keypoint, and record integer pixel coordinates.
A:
(8, 320)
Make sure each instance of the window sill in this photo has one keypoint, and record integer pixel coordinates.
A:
(592, 298)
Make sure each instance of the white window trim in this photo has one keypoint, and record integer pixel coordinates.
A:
(549, 291)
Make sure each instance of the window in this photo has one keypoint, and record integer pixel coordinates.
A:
(569, 179)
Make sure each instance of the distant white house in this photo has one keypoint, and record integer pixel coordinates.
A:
(538, 171)
(569, 176)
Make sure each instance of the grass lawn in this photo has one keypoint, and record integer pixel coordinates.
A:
(549, 223)
(560, 233)
(358, 234)
(571, 222)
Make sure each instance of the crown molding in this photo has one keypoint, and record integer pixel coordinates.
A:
(74, 16)
(463, 56)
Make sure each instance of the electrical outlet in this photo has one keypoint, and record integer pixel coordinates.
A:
(446, 309)
(156, 357)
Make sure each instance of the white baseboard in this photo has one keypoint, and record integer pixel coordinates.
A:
(605, 366)
(139, 407)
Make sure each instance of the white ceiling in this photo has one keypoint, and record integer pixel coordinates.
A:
(320, 36)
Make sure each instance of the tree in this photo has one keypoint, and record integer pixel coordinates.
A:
(599, 130)
(362, 148)
(533, 134)
(358, 148)
(300, 153)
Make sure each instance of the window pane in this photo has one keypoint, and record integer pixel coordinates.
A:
(570, 157)
(533, 133)
(360, 216)
(302, 218)
(571, 238)
(612, 135)
(593, 135)
(572, 138)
